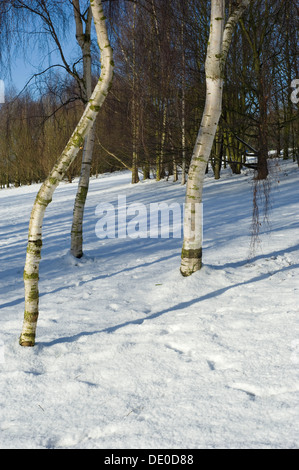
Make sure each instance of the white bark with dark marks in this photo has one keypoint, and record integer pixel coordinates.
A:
(84, 40)
(218, 47)
(44, 196)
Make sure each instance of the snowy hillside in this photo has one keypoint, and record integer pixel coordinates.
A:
(130, 354)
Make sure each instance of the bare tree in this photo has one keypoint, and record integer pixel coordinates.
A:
(53, 17)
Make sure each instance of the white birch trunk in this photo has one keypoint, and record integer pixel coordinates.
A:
(84, 41)
(218, 46)
(163, 138)
(44, 196)
(80, 200)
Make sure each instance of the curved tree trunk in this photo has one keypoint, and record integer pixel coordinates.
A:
(218, 46)
(44, 196)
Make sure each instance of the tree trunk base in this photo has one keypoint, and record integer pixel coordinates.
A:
(26, 344)
(76, 254)
(27, 340)
(191, 262)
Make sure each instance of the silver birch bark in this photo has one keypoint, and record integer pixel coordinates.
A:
(218, 46)
(44, 196)
(183, 105)
(84, 41)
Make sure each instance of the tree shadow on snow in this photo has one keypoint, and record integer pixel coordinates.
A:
(174, 308)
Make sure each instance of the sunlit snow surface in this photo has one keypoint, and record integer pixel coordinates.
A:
(130, 354)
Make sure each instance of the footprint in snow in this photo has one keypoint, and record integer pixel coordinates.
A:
(185, 355)
(114, 307)
(253, 391)
(219, 363)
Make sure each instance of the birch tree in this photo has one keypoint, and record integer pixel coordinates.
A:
(218, 46)
(83, 37)
(44, 196)
(53, 16)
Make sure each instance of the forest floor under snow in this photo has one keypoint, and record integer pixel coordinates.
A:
(131, 355)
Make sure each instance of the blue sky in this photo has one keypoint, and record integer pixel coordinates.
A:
(22, 69)
(21, 73)
(36, 59)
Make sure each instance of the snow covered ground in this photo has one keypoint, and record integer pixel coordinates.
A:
(129, 354)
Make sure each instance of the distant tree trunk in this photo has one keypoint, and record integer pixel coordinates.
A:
(218, 154)
(262, 92)
(135, 117)
(44, 196)
(163, 138)
(218, 46)
(146, 171)
(160, 170)
(262, 161)
(175, 169)
(183, 181)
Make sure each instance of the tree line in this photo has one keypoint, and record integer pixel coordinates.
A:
(150, 119)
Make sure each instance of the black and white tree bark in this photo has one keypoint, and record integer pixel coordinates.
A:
(83, 36)
(52, 15)
(218, 46)
(44, 196)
